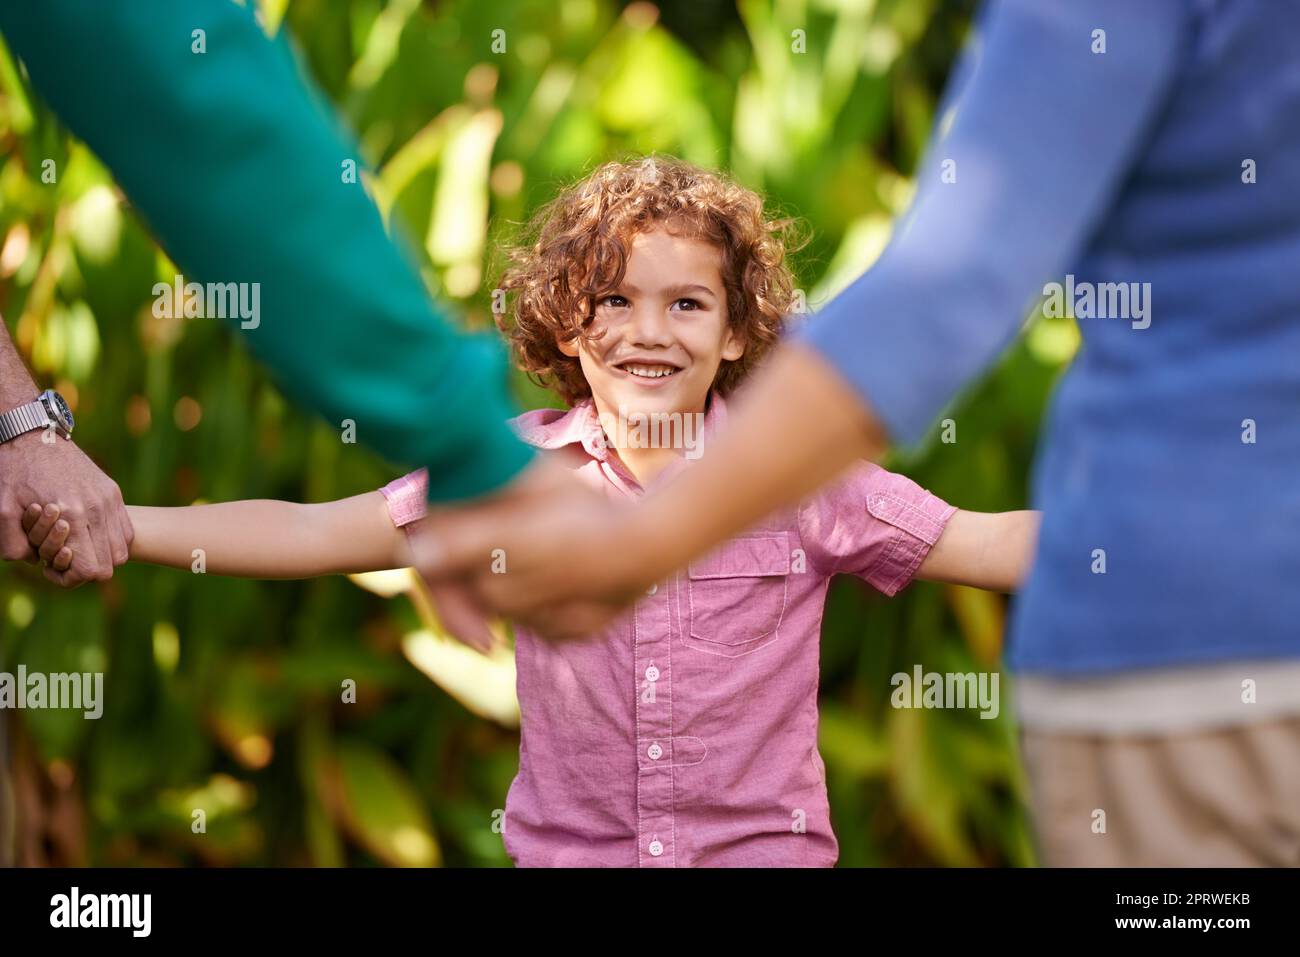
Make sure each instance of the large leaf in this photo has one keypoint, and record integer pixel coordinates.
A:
(380, 809)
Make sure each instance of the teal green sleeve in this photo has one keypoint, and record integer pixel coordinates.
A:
(236, 164)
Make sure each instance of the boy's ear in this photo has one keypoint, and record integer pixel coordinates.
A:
(733, 346)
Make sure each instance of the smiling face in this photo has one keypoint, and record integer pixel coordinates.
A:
(665, 330)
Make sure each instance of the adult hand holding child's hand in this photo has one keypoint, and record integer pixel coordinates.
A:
(545, 551)
(33, 471)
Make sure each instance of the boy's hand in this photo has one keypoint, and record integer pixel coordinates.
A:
(48, 535)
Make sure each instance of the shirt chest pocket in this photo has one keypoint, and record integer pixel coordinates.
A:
(737, 595)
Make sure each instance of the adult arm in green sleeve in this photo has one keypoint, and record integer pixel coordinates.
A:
(236, 163)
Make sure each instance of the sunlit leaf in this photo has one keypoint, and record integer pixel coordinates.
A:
(980, 615)
(458, 225)
(485, 684)
(97, 224)
(381, 810)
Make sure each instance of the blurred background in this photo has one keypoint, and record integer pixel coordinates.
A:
(224, 695)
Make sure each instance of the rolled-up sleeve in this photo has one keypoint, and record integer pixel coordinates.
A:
(406, 497)
(1042, 134)
(874, 524)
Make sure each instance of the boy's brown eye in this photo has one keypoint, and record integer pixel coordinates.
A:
(688, 304)
(616, 301)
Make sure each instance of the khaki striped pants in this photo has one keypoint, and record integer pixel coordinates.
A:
(1227, 797)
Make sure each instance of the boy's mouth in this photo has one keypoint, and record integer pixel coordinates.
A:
(648, 370)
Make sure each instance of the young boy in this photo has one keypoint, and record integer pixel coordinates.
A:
(685, 734)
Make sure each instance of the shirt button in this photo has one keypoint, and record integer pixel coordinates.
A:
(652, 589)
(655, 848)
(652, 673)
(655, 752)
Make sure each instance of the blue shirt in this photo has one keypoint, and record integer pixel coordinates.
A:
(1132, 166)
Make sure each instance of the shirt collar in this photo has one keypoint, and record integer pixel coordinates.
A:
(557, 428)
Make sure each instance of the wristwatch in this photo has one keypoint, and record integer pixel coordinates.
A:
(49, 409)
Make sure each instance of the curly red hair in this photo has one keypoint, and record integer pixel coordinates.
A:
(574, 252)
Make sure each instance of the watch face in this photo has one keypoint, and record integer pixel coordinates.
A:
(61, 411)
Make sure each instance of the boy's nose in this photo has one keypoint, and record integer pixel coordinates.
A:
(650, 327)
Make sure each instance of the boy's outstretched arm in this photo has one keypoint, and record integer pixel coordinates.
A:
(259, 538)
(991, 550)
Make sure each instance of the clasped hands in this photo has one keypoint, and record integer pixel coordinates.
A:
(52, 493)
(546, 552)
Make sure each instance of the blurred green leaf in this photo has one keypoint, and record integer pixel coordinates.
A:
(381, 810)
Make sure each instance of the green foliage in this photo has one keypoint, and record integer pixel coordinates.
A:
(223, 695)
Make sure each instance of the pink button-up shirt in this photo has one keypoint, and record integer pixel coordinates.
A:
(685, 734)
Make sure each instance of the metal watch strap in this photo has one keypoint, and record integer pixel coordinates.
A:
(25, 418)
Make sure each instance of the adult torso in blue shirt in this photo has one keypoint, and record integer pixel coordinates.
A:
(1176, 448)
(1119, 161)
